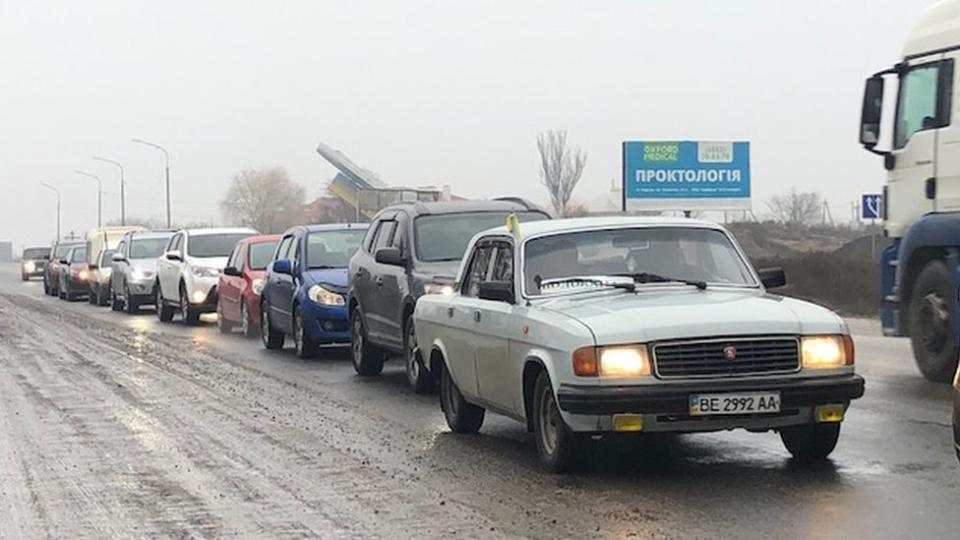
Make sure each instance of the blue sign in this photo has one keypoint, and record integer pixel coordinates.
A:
(871, 206)
(686, 175)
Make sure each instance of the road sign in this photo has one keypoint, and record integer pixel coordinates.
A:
(686, 175)
(871, 206)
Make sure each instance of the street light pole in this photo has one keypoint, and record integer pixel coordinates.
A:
(57, 191)
(99, 196)
(166, 157)
(123, 197)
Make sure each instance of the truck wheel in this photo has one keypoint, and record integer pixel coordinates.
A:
(272, 339)
(462, 417)
(419, 378)
(164, 311)
(189, 315)
(558, 447)
(810, 442)
(367, 358)
(304, 346)
(932, 334)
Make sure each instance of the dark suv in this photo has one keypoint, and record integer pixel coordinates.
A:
(412, 249)
(33, 262)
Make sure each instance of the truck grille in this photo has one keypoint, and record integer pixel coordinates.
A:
(726, 357)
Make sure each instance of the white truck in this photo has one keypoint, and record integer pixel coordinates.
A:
(99, 241)
(918, 136)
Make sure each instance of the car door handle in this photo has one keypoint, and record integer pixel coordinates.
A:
(476, 316)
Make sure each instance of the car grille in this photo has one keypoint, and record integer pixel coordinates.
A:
(711, 358)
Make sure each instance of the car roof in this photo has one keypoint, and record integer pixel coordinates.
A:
(261, 238)
(151, 234)
(331, 227)
(219, 230)
(70, 243)
(462, 207)
(536, 228)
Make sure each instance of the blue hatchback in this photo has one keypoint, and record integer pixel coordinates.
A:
(304, 292)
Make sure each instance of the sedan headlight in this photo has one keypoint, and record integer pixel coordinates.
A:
(205, 271)
(826, 352)
(438, 288)
(618, 361)
(322, 296)
(257, 286)
(140, 274)
(83, 275)
(29, 266)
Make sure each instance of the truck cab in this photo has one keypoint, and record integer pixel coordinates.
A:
(909, 118)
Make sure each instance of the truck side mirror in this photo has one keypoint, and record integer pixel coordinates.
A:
(871, 112)
(772, 277)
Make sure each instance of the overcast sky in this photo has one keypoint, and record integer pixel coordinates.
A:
(422, 92)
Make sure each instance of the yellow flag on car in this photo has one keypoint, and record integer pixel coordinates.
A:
(513, 224)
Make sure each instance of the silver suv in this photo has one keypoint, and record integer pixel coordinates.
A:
(135, 269)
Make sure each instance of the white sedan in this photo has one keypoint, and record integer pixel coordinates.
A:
(582, 327)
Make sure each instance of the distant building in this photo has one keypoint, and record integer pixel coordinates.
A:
(6, 251)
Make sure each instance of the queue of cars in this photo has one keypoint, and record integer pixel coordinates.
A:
(578, 328)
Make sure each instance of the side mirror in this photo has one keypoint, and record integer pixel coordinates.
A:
(118, 257)
(64, 261)
(283, 266)
(93, 267)
(498, 291)
(173, 256)
(390, 255)
(773, 277)
(231, 271)
(871, 112)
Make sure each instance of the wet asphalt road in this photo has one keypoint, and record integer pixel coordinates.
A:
(120, 426)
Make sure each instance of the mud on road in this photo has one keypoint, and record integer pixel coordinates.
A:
(116, 429)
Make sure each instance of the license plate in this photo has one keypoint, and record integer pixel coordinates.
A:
(740, 403)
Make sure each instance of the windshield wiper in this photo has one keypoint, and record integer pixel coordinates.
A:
(596, 281)
(646, 277)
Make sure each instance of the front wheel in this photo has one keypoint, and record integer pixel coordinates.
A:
(367, 358)
(419, 378)
(810, 442)
(305, 347)
(462, 417)
(190, 316)
(932, 320)
(247, 325)
(164, 311)
(131, 303)
(558, 447)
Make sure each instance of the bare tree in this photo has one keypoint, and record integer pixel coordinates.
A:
(560, 167)
(265, 199)
(796, 208)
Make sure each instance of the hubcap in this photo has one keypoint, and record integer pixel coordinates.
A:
(934, 322)
(298, 332)
(244, 320)
(413, 367)
(264, 325)
(548, 422)
(356, 340)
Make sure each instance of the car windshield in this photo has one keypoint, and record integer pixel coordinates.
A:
(213, 245)
(106, 256)
(332, 249)
(148, 248)
(660, 254)
(78, 255)
(61, 251)
(36, 253)
(444, 237)
(260, 254)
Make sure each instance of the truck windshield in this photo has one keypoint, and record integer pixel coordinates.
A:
(147, 248)
(444, 237)
(664, 253)
(260, 254)
(213, 245)
(36, 253)
(333, 249)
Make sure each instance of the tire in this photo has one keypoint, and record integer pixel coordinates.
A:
(248, 326)
(304, 346)
(367, 358)
(933, 337)
(131, 305)
(190, 316)
(418, 377)
(462, 417)
(46, 286)
(222, 323)
(24, 277)
(164, 311)
(272, 340)
(115, 304)
(810, 442)
(103, 298)
(559, 448)
(93, 299)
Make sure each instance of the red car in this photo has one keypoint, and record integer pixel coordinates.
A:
(240, 284)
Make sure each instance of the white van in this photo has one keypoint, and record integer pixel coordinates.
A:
(100, 240)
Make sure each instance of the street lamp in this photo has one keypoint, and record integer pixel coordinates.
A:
(166, 157)
(99, 196)
(57, 191)
(123, 197)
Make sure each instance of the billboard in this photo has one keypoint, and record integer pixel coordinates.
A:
(686, 175)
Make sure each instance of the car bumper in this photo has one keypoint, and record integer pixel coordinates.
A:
(202, 293)
(326, 324)
(666, 407)
(142, 291)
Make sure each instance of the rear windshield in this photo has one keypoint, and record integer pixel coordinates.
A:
(260, 254)
(333, 249)
(444, 237)
(213, 245)
(147, 248)
(79, 255)
(36, 253)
